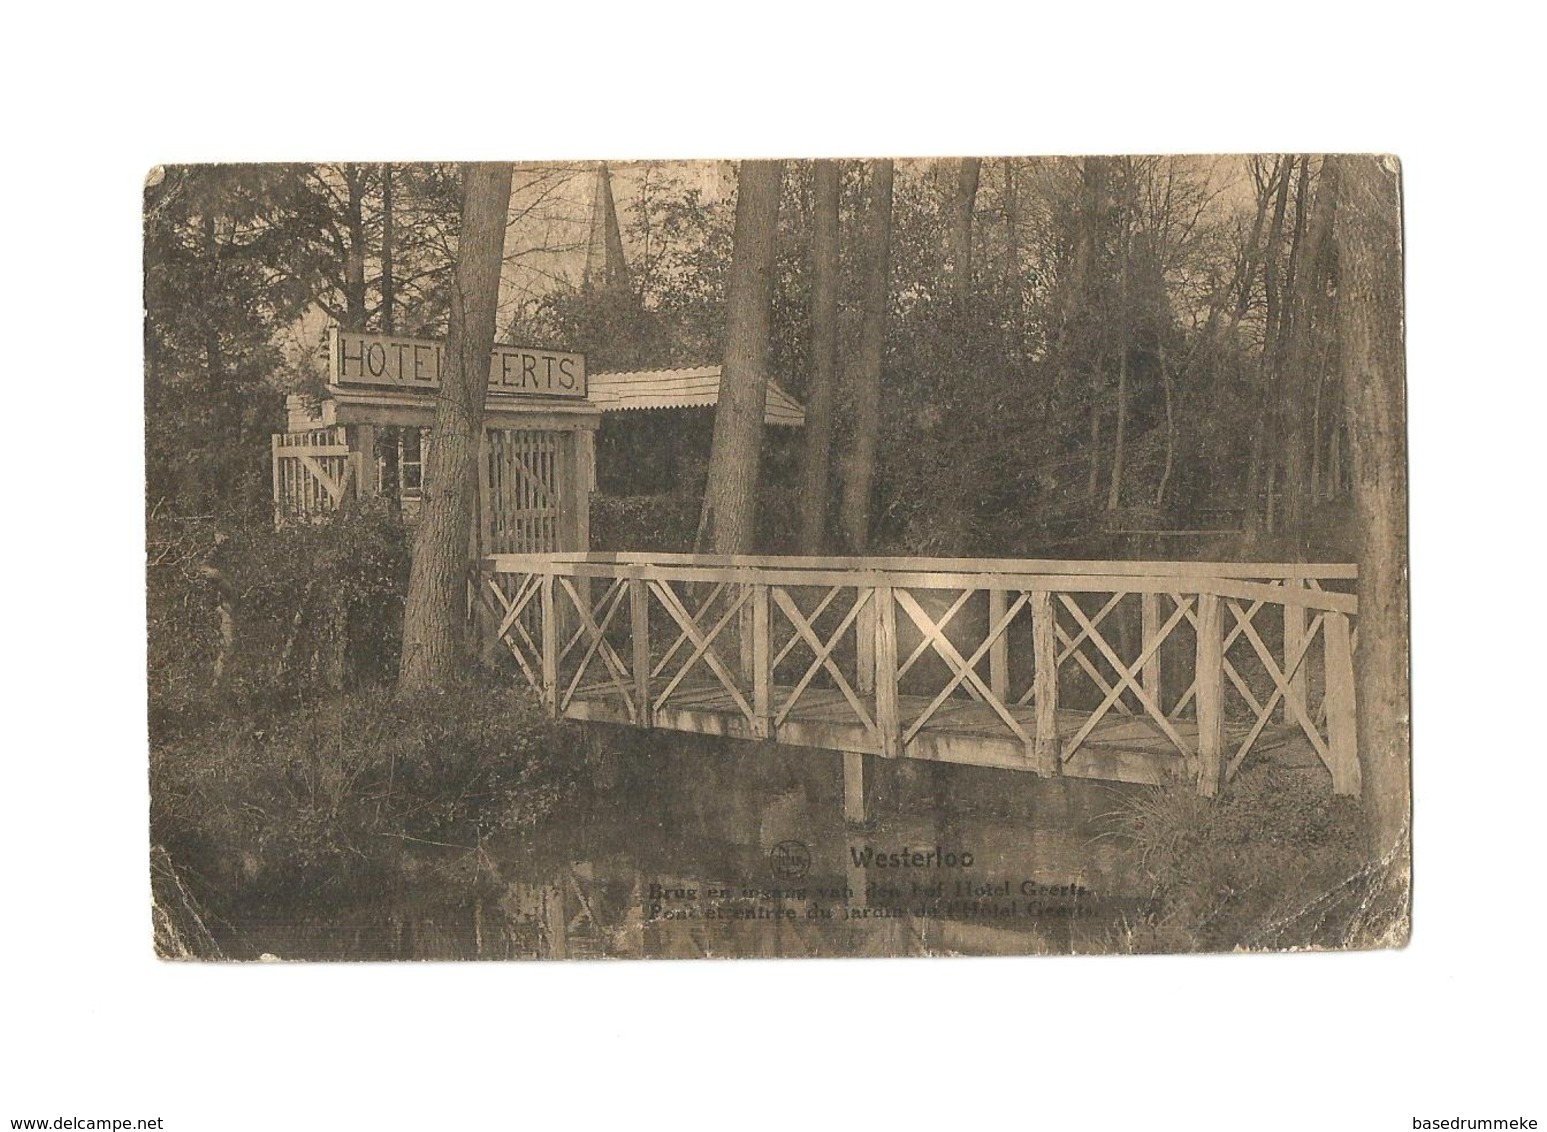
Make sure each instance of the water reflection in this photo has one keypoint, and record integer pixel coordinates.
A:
(709, 848)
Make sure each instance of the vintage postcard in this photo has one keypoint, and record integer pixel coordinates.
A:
(782, 558)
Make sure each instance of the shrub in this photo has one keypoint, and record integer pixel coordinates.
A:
(357, 799)
(314, 608)
(669, 523)
(1276, 861)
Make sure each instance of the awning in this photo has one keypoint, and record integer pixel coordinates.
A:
(693, 388)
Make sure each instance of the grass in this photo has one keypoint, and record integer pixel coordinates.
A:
(1276, 862)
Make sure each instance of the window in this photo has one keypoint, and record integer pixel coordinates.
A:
(410, 462)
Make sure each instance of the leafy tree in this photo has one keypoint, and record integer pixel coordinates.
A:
(227, 264)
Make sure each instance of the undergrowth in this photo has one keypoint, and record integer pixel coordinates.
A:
(1276, 862)
(289, 783)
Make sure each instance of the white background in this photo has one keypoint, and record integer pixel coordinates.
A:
(92, 1025)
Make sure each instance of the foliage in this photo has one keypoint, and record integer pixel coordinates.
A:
(225, 269)
(314, 606)
(669, 522)
(644, 522)
(1274, 862)
(355, 798)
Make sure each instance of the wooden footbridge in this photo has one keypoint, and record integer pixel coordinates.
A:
(1150, 672)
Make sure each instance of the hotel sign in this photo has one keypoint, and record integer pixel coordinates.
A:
(383, 361)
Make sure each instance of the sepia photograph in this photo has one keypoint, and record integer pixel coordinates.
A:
(777, 558)
(801, 566)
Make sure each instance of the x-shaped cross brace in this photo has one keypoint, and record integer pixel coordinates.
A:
(1126, 678)
(961, 668)
(823, 651)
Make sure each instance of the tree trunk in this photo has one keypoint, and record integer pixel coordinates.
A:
(437, 582)
(354, 254)
(1369, 242)
(1012, 221)
(388, 283)
(860, 478)
(1120, 430)
(1302, 378)
(960, 235)
(1168, 385)
(815, 468)
(1093, 202)
(1265, 365)
(728, 522)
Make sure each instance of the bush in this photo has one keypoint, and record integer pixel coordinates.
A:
(669, 523)
(664, 523)
(315, 608)
(357, 799)
(1276, 862)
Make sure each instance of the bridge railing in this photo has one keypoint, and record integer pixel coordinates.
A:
(1051, 666)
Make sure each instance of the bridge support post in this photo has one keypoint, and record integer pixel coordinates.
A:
(1210, 696)
(853, 788)
(1342, 742)
(1047, 746)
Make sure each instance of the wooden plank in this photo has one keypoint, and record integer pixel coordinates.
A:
(639, 618)
(1071, 646)
(1128, 583)
(1210, 696)
(999, 650)
(1047, 746)
(1240, 570)
(888, 717)
(682, 638)
(1342, 734)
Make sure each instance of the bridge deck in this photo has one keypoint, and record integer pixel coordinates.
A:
(1123, 748)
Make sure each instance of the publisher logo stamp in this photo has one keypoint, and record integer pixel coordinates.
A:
(791, 860)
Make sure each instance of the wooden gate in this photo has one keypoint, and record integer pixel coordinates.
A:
(312, 471)
(524, 485)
